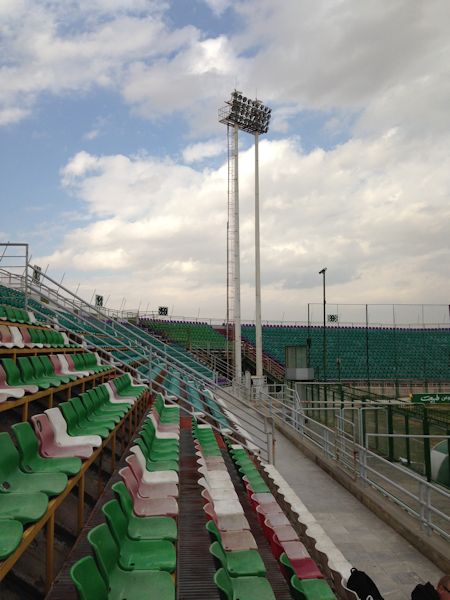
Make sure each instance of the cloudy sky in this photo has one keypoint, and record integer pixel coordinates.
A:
(113, 162)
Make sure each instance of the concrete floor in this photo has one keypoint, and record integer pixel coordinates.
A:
(367, 542)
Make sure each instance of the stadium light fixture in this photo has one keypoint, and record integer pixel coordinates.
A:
(253, 117)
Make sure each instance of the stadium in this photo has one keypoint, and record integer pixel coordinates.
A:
(224, 314)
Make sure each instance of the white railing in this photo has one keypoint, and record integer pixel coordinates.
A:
(425, 501)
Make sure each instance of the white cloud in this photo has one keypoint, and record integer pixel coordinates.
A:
(202, 150)
(373, 210)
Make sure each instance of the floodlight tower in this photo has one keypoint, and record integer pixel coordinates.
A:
(253, 117)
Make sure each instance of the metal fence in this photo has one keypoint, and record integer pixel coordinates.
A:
(344, 437)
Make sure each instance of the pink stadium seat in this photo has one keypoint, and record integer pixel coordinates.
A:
(26, 337)
(114, 396)
(153, 476)
(47, 445)
(226, 515)
(150, 490)
(6, 340)
(71, 368)
(162, 427)
(147, 507)
(233, 541)
(62, 438)
(6, 391)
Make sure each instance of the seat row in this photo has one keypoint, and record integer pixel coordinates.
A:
(16, 315)
(134, 551)
(76, 427)
(33, 373)
(305, 579)
(22, 336)
(330, 559)
(241, 572)
(43, 460)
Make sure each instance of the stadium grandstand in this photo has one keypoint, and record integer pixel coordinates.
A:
(134, 465)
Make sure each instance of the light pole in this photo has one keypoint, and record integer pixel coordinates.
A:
(322, 272)
(253, 117)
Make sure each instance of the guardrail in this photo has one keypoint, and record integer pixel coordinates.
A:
(427, 502)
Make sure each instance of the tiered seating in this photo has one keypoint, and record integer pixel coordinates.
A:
(135, 550)
(189, 335)
(240, 569)
(305, 577)
(394, 353)
(34, 375)
(47, 462)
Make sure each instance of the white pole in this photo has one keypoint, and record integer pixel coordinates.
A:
(258, 327)
(237, 268)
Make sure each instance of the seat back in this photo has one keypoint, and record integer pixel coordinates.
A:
(25, 334)
(47, 366)
(135, 466)
(13, 376)
(130, 481)
(56, 364)
(3, 383)
(77, 362)
(37, 367)
(44, 432)
(105, 549)
(116, 519)
(80, 409)
(88, 580)
(40, 337)
(223, 582)
(9, 460)
(27, 443)
(126, 501)
(219, 555)
(69, 414)
(5, 334)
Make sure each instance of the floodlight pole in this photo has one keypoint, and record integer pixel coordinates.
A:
(322, 272)
(258, 326)
(237, 266)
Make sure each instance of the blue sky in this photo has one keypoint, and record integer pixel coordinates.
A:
(113, 163)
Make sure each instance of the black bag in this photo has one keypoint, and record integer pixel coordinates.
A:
(364, 587)
(424, 592)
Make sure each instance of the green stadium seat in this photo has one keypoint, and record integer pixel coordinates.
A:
(138, 554)
(88, 580)
(10, 536)
(26, 508)
(144, 528)
(14, 377)
(30, 459)
(311, 589)
(12, 479)
(238, 563)
(243, 588)
(77, 427)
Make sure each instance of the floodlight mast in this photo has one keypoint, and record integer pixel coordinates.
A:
(252, 117)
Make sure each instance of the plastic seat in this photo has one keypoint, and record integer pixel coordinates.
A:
(311, 589)
(6, 391)
(58, 368)
(229, 519)
(153, 489)
(49, 370)
(243, 588)
(153, 476)
(137, 554)
(303, 568)
(26, 508)
(144, 528)
(62, 437)
(68, 367)
(32, 462)
(108, 582)
(240, 563)
(41, 375)
(147, 507)
(10, 536)
(12, 479)
(232, 540)
(85, 415)
(158, 464)
(29, 376)
(47, 441)
(77, 427)
(14, 377)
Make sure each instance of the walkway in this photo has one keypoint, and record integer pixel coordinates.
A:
(366, 541)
